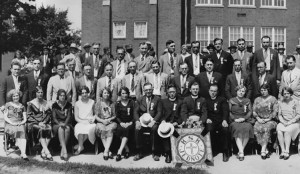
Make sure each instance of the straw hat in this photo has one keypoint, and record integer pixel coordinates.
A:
(165, 130)
(73, 45)
(145, 119)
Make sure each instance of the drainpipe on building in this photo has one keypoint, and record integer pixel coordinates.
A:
(157, 23)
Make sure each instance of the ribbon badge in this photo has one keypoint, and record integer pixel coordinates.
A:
(245, 108)
(215, 106)
(271, 57)
(151, 106)
(66, 112)
(39, 82)
(128, 111)
(212, 80)
(187, 84)
(222, 60)
(198, 104)
(174, 107)
(242, 82)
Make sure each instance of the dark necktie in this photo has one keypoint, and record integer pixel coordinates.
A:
(109, 83)
(35, 76)
(172, 61)
(148, 100)
(142, 58)
(132, 83)
(119, 68)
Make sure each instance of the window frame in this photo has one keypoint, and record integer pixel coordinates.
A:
(209, 4)
(208, 33)
(273, 6)
(241, 30)
(119, 37)
(242, 5)
(273, 35)
(134, 31)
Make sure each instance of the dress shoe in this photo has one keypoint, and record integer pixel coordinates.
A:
(263, 155)
(126, 155)
(225, 157)
(137, 157)
(156, 158)
(286, 156)
(281, 156)
(25, 158)
(118, 158)
(105, 158)
(168, 159)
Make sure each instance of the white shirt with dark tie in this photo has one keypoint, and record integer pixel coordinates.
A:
(157, 84)
(196, 64)
(16, 82)
(238, 76)
(267, 57)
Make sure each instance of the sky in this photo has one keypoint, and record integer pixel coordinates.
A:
(73, 6)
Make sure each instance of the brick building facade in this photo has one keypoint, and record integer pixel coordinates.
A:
(120, 22)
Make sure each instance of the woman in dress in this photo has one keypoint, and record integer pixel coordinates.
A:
(15, 119)
(124, 118)
(288, 127)
(265, 110)
(62, 122)
(240, 112)
(84, 115)
(39, 122)
(105, 114)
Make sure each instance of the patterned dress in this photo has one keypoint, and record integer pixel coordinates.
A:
(265, 109)
(15, 114)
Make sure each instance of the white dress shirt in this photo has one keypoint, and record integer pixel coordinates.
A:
(196, 64)
(238, 76)
(157, 84)
(267, 59)
(16, 82)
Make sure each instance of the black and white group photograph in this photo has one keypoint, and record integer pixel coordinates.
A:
(150, 86)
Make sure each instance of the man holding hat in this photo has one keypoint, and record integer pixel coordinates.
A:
(297, 56)
(46, 61)
(232, 49)
(147, 115)
(281, 57)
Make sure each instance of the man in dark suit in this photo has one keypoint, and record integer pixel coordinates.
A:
(148, 104)
(36, 78)
(205, 79)
(14, 81)
(195, 61)
(217, 121)
(96, 61)
(264, 78)
(171, 112)
(238, 77)
(268, 55)
(183, 81)
(223, 61)
(61, 55)
(87, 80)
(47, 62)
(170, 61)
(86, 54)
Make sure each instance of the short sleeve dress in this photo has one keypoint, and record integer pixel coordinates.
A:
(124, 114)
(239, 109)
(15, 114)
(61, 115)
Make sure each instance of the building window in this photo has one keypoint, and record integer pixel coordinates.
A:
(241, 2)
(273, 3)
(209, 2)
(207, 34)
(277, 35)
(237, 32)
(119, 30)
(140, 30)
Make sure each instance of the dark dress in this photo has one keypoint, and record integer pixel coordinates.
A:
(124, 114)
(240, 109)
(35, 115)
(61, 115)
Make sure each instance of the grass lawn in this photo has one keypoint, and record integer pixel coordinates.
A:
(89, 168)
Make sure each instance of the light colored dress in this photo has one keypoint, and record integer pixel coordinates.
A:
(265, 109)
(85, 112)
(287, 112)
(15, 114)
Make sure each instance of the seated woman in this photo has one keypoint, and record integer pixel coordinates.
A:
(240, 112)
(265, 109)
(288, 127)
(105, 114)
(15, 119)
(124, 117)
(39, 122)
(84, 115)
(62, 122)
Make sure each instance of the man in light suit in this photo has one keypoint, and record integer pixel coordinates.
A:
(61, 81)
(36, 78)
(158, 79)
(144, 60)
(170, 61)
(120, 64)
(71, 64)
(237, 78)
(133, 81)
(96, 61)
(14, 81)
(242, 55)
(183, 81)
(291, 77)
(268, 55)
(109, 82)
(87, 80)
(195, 61)
(264, 78)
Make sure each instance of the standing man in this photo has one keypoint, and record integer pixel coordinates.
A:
(95, 60)
(211, 48)
(158, 79)
(195, 61)
(243, 56)
(297, 56)
(71, 64)
(183, 81)
(232, 49)
(268, 55)
(61, 81)
(170, 61)
(237, 78)
(86, 53)
(282, 58)
(60, 56)
(87, 80)
(47, 62)
(120, 64)
(14, 81)
(129, 56)
(73, 56)
(144, 60)
(291, 77)
(36, 78)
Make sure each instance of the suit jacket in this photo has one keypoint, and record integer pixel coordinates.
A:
(189, 61)
(144, 66)
(172, 111)
(186, 92)
(83, 56)
(54, 85)
(292, 81)
(155, 108)
(8, 84)
(114, 63)
(274, 65)
(138, 80)
(101, 84)
(49, 64)
(57, 59)
(42, 81)
(100, 66)
(204, 83)
(165, 64)
(232, 83)
(195, 107)
(270, 80)
(217, 109)
(245, 61)
(80, 82)
(164, 82)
